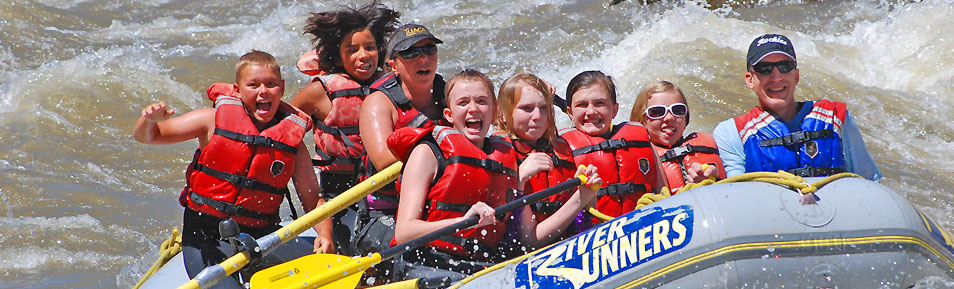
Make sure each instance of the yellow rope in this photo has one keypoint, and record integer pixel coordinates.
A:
(167, 250)
(781, 178)
(498, 266)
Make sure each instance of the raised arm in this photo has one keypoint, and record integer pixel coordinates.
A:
(155, 126)
(376, 123)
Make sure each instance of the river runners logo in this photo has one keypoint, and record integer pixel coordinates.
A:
(605, 251)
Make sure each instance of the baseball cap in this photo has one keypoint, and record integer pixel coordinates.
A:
(769, 44)
(407, 35)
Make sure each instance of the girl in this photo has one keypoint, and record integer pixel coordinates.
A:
(662, 109)
(348, 58)
(622, 153)
(527, 121)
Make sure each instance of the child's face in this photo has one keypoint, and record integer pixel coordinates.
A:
(668, 129)
(592, 110)
(531, 115)
(359, 54)
(261, 89)
(471, 109)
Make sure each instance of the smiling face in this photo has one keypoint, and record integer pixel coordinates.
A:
(359, 54)
(776, 90)
(668, 130)
(261, 88)
(417, 71)
(470, 109)
(531, 114)
(592, 110)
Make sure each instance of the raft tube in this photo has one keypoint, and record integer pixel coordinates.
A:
(856, 234)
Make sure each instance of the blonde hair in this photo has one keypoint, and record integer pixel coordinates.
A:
(468, 75)
(256, 57)
(642, 100)
(510, 95)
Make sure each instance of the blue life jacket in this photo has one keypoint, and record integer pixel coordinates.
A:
(814, 150)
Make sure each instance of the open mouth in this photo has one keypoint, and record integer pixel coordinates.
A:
(263, 107)
(424, 72)
(473, 125)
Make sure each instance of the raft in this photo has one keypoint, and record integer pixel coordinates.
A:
(850, 233)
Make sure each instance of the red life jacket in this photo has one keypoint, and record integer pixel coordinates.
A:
(625, 161)
(243, 173)
(338, 146)
(563, 169)
(408, 116)
(695, 148)
(466, 175)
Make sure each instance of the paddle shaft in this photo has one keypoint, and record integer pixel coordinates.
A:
(499, 212)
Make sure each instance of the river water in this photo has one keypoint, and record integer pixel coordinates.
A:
(83, 205)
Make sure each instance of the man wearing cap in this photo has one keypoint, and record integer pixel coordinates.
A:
(810, 139)
(412, 94)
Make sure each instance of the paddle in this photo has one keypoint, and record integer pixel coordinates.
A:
(213, 274)
(312, 271)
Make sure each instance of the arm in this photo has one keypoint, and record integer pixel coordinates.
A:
(309, 192)
(376, 123)
(155, 126)
(414, 187)
(534, 164)
(542, 233)
(313, 100)
(730, 148)
(857, 159)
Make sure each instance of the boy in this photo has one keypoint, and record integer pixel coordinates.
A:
(249, 148)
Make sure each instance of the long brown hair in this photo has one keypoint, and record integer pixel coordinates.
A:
(510, 95)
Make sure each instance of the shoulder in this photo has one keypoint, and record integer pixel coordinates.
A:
(726, 131)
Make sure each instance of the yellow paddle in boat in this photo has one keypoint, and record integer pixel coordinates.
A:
(213, 274)
(335, 271)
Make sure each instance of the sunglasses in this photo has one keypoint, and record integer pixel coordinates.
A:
(765, 68)
(414, 51)
(659, 111)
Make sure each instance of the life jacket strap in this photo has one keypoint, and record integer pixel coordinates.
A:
(611, 144)
(240, 181)
(231, 209)
(342, 131)
(797, 138)
(489, 164)
(682, 151)
(256, 140)
(362, 91)
(620, 189)
(815, 172)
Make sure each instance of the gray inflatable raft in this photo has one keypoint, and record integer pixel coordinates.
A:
(857, 234)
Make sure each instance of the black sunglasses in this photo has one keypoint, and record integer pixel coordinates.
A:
(765, 68)
(414, 51)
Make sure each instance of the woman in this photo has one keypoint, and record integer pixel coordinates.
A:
(452, 167)
(527, 121)
(348, 58)
(662, 109)
(622, 152)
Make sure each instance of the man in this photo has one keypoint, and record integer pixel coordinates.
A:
(810, 139)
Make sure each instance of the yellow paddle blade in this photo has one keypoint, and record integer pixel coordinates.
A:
(291, 274)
